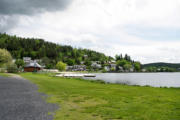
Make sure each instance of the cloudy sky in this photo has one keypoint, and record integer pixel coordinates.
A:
(148, 30)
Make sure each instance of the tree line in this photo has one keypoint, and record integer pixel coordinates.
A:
(50, 53)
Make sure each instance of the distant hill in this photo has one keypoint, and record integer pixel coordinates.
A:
(161, 64)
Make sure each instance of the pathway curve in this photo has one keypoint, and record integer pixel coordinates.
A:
(19, 100)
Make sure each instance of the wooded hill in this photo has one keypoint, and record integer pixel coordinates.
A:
(161, 64)
(50, 52)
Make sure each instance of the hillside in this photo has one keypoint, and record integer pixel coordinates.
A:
(161, 64)
(49, 52)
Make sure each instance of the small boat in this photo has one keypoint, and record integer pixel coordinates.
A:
(89, 75)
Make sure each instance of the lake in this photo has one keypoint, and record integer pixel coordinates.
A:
(142, 79)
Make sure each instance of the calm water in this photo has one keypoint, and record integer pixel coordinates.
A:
(142, 79)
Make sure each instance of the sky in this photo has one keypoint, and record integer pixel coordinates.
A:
(147, 30)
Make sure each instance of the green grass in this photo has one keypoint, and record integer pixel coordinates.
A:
(86, 100)
(5, 74)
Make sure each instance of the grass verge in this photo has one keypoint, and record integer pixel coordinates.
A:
(86, 100)
(5, 74)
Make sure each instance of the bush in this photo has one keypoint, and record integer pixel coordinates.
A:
(61, 66)
(5, 57)
(12, 68)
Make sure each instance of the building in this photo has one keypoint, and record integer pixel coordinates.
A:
(113, 66)
(27, 60)
(107, 68)
(121, 69)
(85, 57)
(76, 68)
(32, 67)
(96, 65)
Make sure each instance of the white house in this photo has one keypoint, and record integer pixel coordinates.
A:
(95, 65)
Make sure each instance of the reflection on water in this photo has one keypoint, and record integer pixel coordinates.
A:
(142, 79)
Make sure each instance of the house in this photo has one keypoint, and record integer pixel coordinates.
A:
(85, 56)
(121, 69)
(82, 62)
(96, 65)
(113, 66)
(79, 67)
(27, 60)
(76, 68)
(113, 62)
(32, 66)
(107, 68)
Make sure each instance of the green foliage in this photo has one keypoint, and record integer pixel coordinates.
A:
(87, 63)
(5, 57)
(151, 69)
(137, 66)
(127, 57)
(70, 62)
(169, 66)
(20, 63)
(160, 69)
(127, 66)
(104, 70)
(50, 53)
(118, 57)
(12, 68)
(61, 66)
(113, 69)
(122, 62)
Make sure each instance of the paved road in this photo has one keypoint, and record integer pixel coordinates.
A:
(19, 100)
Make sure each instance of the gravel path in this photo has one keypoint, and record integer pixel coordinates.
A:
(19, 100)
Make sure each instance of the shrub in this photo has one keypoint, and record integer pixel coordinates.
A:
(12, 68)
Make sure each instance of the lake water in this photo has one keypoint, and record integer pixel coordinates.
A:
(142, 79)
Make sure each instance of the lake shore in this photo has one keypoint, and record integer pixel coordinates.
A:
(91, 100)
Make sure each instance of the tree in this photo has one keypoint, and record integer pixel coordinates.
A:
(127, 57)
(118, 57)
(19, 63)
(61, 66)
(87, 63)
(127, 66)
(71, 62)
(121, 62)
(5, 57)
(137, 66)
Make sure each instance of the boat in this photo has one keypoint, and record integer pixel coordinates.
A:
(89, 75)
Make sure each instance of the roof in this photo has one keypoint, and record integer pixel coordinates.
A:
(33, 64)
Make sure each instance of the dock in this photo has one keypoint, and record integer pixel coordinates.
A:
(75, 75)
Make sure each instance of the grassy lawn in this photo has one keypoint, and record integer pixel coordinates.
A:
(85, 100)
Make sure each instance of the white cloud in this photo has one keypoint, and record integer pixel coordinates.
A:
(101, 25)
